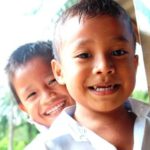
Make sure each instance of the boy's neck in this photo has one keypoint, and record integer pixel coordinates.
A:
(114, 126)
(100, 119)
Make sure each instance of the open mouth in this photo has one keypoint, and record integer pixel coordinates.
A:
(104, 88)
(56, 109)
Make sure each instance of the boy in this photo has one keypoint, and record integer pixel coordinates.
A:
(100, 55)
(33, 84)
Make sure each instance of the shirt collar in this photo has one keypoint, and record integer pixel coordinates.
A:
(39, 127)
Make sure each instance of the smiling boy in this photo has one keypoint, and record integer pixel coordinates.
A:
(100, 55)
(95, 58)
(33, 84)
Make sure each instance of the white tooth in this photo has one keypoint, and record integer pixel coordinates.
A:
(56, 108)
(104, 89)
(95, 87)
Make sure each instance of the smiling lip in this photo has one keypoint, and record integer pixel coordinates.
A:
(104, 89)
(56, 108)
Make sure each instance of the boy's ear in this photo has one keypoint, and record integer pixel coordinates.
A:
(136, 61)
(21, 106)
(57, 71)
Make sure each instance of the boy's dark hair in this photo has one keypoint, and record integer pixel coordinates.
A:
(87, 9)
(22, 55)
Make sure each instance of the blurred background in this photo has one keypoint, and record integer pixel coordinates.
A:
(24, 21)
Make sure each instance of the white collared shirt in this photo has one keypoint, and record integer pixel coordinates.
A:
(66, 134)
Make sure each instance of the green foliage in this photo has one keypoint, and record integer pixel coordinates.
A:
(19, 145)
(23, 134)
(4, 143)
(23, 131)
(3, 127)
(142, 96)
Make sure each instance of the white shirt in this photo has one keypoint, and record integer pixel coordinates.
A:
(66, 134)
(39, 127)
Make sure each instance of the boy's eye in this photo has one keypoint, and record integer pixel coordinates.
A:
(51, 81)
(119, 52)
(31, 95)
(84, 55)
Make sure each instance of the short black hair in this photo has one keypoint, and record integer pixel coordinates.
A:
(89, 9)
(25, 53)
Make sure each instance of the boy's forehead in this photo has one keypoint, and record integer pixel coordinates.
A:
(74, 24)
(69, 25)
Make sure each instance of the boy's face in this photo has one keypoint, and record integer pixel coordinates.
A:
(97, 62)
(42, 97)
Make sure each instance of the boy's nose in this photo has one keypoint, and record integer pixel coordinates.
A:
(48, 97)
(104, 66)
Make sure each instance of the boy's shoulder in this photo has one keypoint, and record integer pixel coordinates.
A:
(141, 109)
(60, 136)
(54, 134)
(37, 143)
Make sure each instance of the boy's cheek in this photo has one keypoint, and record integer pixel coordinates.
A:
(21, 106)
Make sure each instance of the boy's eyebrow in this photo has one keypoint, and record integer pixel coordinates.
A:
(23, 90)
(82, 42)
(121, 38)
